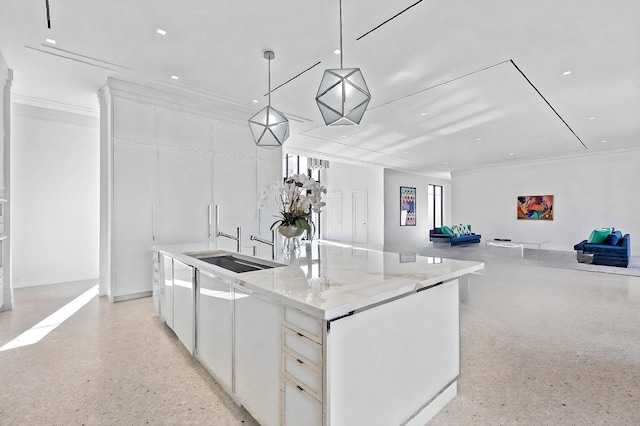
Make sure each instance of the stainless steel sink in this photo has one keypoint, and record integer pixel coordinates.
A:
(234, 262)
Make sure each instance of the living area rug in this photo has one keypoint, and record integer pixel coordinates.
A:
(567, 260)
(532, 257)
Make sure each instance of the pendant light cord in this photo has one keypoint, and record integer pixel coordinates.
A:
(341, 66)
(269, 60)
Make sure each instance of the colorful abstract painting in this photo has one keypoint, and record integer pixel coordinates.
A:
(407, 206)
(535, 207)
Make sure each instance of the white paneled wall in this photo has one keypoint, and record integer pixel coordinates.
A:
(192, 156)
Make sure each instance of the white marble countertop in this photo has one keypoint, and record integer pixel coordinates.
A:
(328, 280)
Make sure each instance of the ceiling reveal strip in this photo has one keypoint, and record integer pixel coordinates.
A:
(294, 77)
(550, 106)
(438, 85)
(393, 17)
(48, 14)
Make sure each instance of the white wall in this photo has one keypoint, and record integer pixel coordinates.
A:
(410, 237)
(55, 183)
(588, 192)
(346, 178)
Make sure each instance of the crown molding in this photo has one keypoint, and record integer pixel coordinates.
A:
(55, 105)
(181, 99)
(55, 116)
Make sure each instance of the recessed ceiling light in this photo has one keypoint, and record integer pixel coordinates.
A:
(446, 162)
(592, 118)
(566, 73)
(423, 113)
(175, 77)
(478, 139)
(337, 51)
(406, 152)
(161, 32)
(255, 101)
(604, 141)
(50, 40)
(511, 153)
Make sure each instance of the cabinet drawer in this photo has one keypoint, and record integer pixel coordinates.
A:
(300, 408)
(303, 348)
(310, 378)
(304, 323)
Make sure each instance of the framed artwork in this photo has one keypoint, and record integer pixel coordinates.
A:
(407, 206)
(535, 207)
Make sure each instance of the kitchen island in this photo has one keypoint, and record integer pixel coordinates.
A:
(334, 335)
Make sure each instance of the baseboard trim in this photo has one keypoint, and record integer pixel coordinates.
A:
(132, 296)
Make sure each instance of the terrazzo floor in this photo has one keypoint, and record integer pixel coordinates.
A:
(540, 346)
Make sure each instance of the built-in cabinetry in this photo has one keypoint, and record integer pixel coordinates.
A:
(302, 368)
(393, 359)
(236, 333)
(3, 249)
(214, 327)
(257, 355)
(166, 160)
(6, 78)
(183, 303)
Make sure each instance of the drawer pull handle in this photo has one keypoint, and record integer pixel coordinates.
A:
(299, 388)
(300, 334)
(300, 361)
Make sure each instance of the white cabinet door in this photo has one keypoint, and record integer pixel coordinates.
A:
(156, 281)
(214, 326)
(257, 356)
(166, 289)
(300, 408)
(184, 196)
(183, 304)
(134, 193)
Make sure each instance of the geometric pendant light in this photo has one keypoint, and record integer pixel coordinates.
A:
(269, 126)
(343, 95)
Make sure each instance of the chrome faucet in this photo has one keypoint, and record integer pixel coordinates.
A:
(271, 243)
(222, 234)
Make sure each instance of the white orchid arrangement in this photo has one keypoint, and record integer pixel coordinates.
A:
(295, 200)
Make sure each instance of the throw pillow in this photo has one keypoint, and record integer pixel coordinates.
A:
(446, 231)
(467, 229)
(599, 235)
(456, 230)
(613, 238)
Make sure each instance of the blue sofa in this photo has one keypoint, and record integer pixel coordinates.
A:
(610, 253)
(436, 235)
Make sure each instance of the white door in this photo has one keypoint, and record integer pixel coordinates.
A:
(360, 213)
(184, 196)
(134, 190)
(334, 216)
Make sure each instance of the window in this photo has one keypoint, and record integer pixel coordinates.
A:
(296, 164)
(435, 205)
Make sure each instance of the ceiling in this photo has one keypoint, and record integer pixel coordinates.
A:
(456, 84)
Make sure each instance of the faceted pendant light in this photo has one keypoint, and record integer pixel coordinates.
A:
(269, 126)
(343, 95)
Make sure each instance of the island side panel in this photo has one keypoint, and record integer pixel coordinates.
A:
(385, 363)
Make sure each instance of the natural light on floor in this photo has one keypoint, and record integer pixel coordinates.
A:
(47, 325)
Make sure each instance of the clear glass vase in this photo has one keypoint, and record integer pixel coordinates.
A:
(291, 235)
